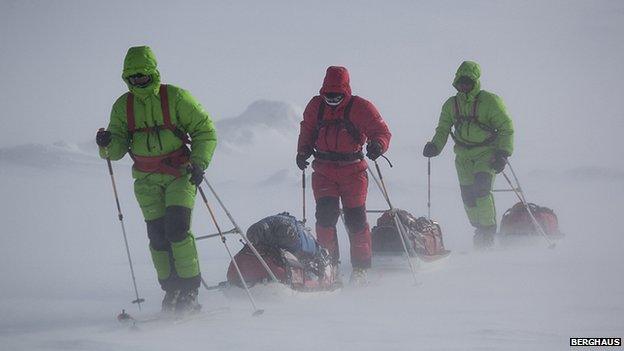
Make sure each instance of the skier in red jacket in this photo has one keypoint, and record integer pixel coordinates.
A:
(334, 129)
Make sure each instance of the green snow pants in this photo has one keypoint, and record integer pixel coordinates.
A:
(167, 203)
(476, 178)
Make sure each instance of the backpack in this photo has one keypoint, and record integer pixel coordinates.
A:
(516, 220)
(423, 236)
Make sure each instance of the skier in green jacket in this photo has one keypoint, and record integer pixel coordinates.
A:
(483, 133)
(153, 123)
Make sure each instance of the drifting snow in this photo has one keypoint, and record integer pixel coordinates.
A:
(66, 277)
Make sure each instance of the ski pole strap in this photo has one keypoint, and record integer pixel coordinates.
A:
(388, 160)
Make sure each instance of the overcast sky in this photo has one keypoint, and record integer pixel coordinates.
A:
(556, 64)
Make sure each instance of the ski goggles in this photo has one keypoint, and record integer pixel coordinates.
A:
(139, 80)
(333, 99)
(465, 80)
(464, 84)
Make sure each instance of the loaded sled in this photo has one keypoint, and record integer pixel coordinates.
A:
(298, 273)
(526, 219)
(422, 236)
(517, 221)
(290, 252)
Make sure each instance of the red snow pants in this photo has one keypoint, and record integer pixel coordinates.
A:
(333, 182)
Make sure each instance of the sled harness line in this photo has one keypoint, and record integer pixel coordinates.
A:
(520, 194)
(460, 119)
(400, 228)
(169, 163)
(256, 310)
(237, 230)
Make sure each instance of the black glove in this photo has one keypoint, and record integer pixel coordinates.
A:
(374, 150)
(103, 138)
(499, 160)
(197, 174)
(430, 150)
(302, 160)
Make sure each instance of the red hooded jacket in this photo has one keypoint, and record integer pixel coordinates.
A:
(334, 137)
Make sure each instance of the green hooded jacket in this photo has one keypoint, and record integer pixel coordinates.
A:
(490, 111)
(186, 114)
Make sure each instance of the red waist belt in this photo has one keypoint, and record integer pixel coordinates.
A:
(168, 164)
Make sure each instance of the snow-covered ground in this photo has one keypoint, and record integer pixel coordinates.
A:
(65, 274)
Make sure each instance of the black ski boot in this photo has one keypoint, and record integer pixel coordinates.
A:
(170, 300)
(187, 302)
(484, 237)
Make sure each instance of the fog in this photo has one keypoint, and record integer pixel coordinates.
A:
(254, 66)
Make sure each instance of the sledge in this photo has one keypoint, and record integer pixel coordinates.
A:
(299, 274)
(286, 254)
(516, 221)
(526, 219)
(422, 236)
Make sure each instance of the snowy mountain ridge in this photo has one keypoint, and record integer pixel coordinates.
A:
(58, 154)
(262, 120)
(276, 115)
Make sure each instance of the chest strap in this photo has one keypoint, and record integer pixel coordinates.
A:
(164, 106)
(474, 118)
(344, 122)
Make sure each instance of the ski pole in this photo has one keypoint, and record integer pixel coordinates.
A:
(429, 188)
(551, 244)
(240, 232)
(256, 311)
(138, 300)
(303, 187)
(400, 229)
(518, 186)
